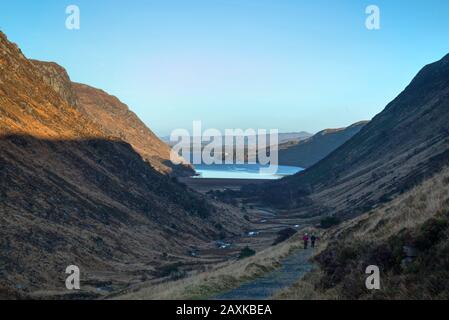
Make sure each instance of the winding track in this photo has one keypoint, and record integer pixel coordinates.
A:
(294, 267)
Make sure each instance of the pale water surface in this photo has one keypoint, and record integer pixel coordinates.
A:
(242, 171)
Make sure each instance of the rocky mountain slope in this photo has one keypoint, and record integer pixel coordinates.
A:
(113, 117)
(402, 145)
(305, 153)
(72, 192)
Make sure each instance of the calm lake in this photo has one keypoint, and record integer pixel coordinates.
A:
(241, 171)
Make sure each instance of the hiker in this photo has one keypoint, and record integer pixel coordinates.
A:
(313, 238)
(306, 241)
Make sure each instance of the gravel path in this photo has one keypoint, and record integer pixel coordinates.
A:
(294, 267)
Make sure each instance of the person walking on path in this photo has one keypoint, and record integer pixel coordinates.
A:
(313, 239)
(306, 241)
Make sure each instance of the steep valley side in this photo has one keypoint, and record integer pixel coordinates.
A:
(404, 144)
(74, 193)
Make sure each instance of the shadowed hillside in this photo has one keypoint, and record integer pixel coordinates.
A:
(93, 203)
(305, 153)
(73, 193)
(405, 143)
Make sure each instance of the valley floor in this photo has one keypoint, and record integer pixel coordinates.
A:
(226, 278)
(205, 185)
(417, 219)
(274, 267)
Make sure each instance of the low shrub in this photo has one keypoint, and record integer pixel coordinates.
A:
(246, 253)
(329, 222)
(284, 235)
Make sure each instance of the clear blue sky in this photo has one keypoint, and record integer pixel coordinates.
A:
(291, 65)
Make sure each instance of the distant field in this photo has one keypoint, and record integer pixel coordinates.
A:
(205, 185)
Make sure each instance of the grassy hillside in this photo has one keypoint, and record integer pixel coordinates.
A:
(417, 221)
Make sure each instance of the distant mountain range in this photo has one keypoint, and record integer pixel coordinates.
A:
(240, 153)
(305, 153)
(282, 137)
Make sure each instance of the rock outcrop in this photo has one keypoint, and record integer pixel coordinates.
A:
(114, 118)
